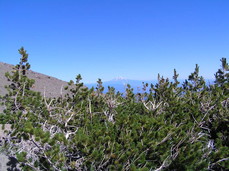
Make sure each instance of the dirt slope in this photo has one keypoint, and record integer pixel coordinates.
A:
(52, 86)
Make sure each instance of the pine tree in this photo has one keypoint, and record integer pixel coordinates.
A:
(169, 127)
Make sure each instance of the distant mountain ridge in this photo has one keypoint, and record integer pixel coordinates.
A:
(53, 86)
(121, 84)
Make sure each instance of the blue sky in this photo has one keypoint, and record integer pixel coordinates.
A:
(135, 39)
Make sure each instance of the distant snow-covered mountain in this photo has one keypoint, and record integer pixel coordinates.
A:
(120, 84)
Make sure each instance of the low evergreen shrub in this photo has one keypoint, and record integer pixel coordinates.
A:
(169, 127)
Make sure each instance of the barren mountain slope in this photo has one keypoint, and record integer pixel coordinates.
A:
(52, 86)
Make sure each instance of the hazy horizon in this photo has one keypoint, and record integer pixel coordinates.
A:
(119, 79)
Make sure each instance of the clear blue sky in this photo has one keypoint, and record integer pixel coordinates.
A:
(136, 39)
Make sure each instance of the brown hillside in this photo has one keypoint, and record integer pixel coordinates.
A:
(52, 86)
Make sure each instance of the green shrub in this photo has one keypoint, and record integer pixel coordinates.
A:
(171, 127)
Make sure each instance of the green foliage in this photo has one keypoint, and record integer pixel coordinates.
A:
(171, 127)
